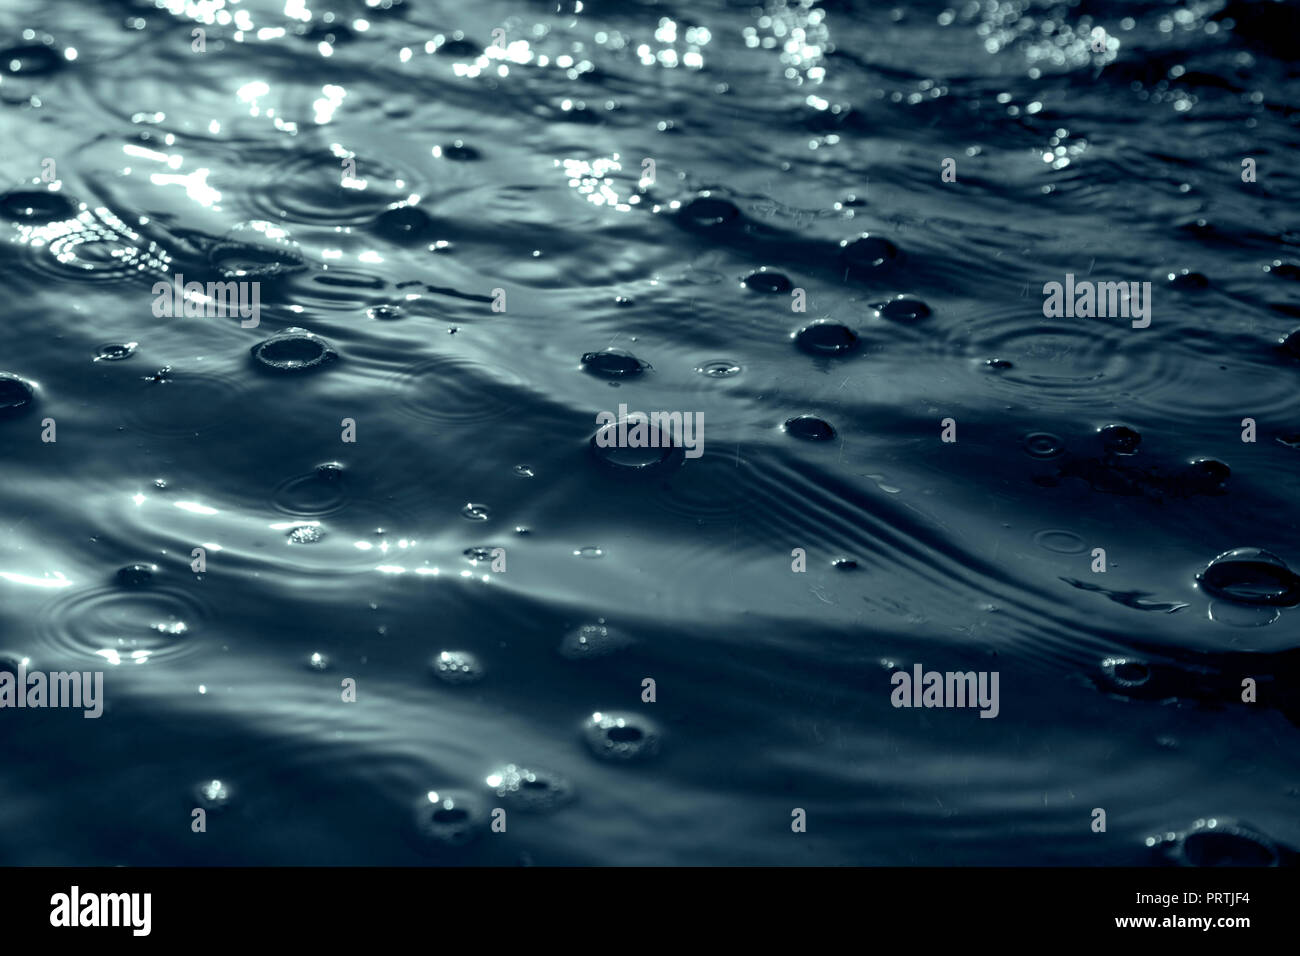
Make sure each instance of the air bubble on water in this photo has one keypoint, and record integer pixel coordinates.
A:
(457, 667)
(621, 736)
(530, 789)
(1251, 576)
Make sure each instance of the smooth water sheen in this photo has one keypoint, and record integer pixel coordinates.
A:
(464, 257)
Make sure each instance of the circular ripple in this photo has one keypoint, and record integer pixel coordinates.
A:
(1043, 445)
(323, 492)
(1190, 370)
(457, 667)
(293, 350)
(343, 290)
(530, 790)
(451, 390)
(621, 736)
(712, 489)
(125, 625)
(719, 368)
(16, 396)
(314, 190)
(181, 404)
(1058, 359)
(1062, 542)
(1251, 576)
(94, 246)
(450, 818)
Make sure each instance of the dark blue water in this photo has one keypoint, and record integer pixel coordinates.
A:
(497, 266)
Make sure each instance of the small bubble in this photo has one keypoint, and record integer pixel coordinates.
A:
(475, 512)
(530, 790)
(450, 818)
(591, 641)
(457, 667)
(213, 794)
(621, 736)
